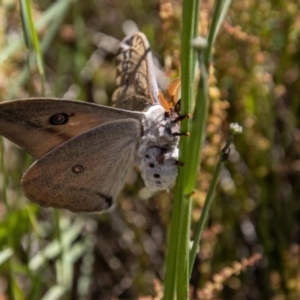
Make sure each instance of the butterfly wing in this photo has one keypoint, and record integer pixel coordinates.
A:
(39, 125)
(86, 173)
(136, 83)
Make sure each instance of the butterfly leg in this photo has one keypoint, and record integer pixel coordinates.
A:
(179, 164)
(181, 118)
(181, 133)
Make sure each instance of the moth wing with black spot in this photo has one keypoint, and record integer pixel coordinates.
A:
(136, 83)
(86, 173)
(39, 125)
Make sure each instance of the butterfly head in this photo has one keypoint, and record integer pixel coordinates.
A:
(170, 101)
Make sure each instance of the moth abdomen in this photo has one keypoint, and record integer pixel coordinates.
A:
(158, 167)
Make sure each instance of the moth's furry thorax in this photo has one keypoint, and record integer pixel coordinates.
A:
(158, 149)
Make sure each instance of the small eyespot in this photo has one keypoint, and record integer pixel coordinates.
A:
(59, 119)
(158, 182)
(156, 176)
(77, 169)
(147, 156)
(151, 165)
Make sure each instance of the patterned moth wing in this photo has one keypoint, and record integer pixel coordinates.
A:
(136, 83)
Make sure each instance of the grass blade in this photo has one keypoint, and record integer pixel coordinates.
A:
(176, 262)
(31, 37)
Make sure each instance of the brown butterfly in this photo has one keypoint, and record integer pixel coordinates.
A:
(84, 150)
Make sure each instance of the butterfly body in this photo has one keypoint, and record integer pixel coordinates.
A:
(158, 149)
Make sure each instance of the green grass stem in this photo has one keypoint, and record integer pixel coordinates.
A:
(56, 11)
(31, 38)
(50, 17)
(204, 215)
(220, 11)
(176, 271)
(178, 262)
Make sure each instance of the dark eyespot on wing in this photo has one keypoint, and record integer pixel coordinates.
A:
(77, 169)
(156, 176)
(59, 119)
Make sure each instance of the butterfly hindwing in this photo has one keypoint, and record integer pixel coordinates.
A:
(86, 173)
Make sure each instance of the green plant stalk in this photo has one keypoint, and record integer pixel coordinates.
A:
(234, 130)
(220, 11)
(190, 20)
(25, 24)
(55, 11)
(198, 129)
(35, 42)
(186, 202)
(201, 108)
(16, 292)
(190, 151)
(171, 260)
(180, 219)
(10, 241)
(183, 251)
(204, 214)
(4, 174)
(51, 15)
(214, 27)
(10, 237)
(200, 115)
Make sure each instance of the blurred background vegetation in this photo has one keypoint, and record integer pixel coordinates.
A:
(50, 254)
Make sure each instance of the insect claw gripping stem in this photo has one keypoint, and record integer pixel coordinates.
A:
(181, 118)
(179, 164)
(181, 133)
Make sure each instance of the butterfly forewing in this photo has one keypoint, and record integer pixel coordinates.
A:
(136, 83)
(39, 125)
(86, 173)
